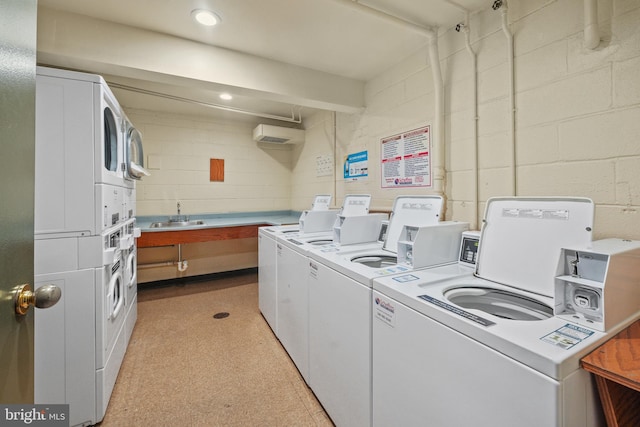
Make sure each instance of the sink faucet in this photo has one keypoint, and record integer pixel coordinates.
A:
(179, 217)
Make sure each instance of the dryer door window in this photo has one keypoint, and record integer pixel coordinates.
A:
(110, 141)
(135, 156)
(132, 267)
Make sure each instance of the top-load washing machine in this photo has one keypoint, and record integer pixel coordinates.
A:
(267, 289)
(267, 270)
(292, 277)
(340, 312)
(487, 349)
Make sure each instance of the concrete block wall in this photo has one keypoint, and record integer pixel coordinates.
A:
(398, 100)
(577, 129)
(308, 178)
(257, 176)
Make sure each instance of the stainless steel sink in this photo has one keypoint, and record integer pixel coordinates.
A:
(175, 224)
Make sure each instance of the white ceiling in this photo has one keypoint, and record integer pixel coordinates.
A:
(324, 35)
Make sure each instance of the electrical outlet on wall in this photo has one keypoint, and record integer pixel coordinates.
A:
(324, 165)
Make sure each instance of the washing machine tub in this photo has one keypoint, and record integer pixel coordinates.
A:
(500, 303)
(376, 260)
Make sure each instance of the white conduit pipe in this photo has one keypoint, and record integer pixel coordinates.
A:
(292, 119)
(591, 32)
(182, 264)
(474, 86)
(439, 170)
(389, 18)
(335, 159)
(157, 264)
(512, 101)
(438, 140)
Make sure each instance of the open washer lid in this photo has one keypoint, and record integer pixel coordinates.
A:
(411, 210)
(522, 237)
(355, 204)
(321, 202)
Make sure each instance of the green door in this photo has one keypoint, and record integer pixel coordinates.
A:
(17, 144)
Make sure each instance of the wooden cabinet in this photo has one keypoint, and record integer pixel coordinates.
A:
(207, 251)
(616, 366)
(174, 237)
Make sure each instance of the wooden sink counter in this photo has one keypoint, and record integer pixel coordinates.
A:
(223, 242)
(168, 236)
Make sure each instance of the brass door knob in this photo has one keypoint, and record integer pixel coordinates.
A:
(43, 297)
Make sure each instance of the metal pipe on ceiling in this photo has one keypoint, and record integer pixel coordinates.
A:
(291, 119)
(421, 29)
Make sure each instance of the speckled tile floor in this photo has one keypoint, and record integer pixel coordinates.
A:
(184, 367)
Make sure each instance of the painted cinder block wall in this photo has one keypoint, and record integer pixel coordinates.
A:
(257, 176)
(577, 126)
(577, 112)
(308, 177)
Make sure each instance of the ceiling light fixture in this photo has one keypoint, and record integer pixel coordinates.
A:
(205, 17)
(226, 96)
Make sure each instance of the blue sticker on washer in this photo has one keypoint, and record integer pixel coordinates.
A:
(567, 336)
(392, 270)
(405, 278)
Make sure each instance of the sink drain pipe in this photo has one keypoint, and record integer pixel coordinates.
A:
(182, 264)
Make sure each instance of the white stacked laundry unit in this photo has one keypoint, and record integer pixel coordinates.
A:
(84, 241)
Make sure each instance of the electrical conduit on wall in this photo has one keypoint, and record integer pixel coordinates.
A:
(439, 171)
(591, 33)
(512, 101)
(474, 105)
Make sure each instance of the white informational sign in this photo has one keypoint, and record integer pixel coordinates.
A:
(356, 166)
(405, 159)
(385, 310)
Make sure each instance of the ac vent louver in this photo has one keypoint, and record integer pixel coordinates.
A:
(273, 139)
(277, 134)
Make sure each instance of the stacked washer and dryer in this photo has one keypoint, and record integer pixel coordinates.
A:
(88, 159)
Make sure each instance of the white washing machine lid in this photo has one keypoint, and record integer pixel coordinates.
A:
(321, 202)
(355, 204)
(522, 237)
(411, 210)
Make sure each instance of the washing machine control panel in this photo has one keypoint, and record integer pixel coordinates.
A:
(597, 286)
(469, 249)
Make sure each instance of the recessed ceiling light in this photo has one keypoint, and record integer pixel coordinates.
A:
(205, 17)
(226, 96)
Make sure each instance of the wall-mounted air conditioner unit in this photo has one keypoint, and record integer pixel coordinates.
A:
(277, 134)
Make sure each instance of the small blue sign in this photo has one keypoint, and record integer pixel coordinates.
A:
(356, 166)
